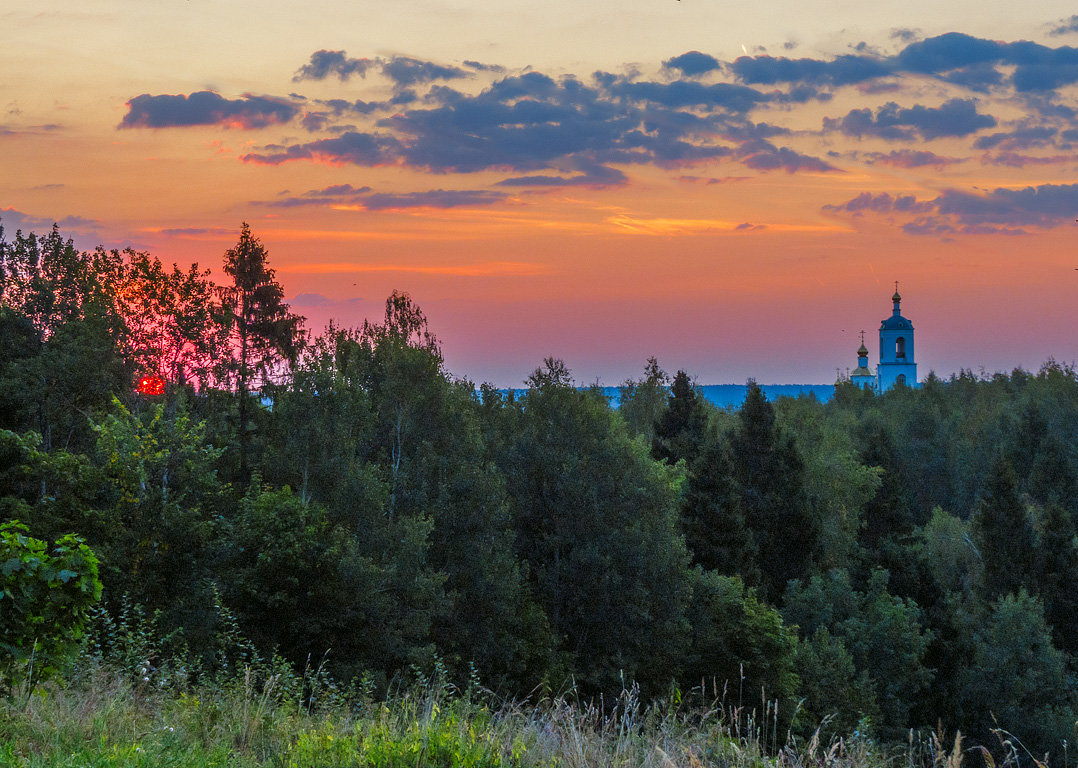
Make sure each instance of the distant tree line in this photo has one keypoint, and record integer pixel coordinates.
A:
(876, 563)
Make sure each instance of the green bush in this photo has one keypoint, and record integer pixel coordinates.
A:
(45, 598)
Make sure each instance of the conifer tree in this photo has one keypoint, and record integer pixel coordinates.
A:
(888, 515)
(712, 519)
(1004, 533)
(682, 429)
(265, 335)
(1056, 575)
(769, 472)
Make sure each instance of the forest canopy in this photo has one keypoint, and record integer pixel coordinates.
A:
(876, 562)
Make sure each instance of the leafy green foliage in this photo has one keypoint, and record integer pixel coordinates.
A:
(597, 526)
(369, 517)
(741, 644)
(1018, 677)
(883, 634)
(642, 402)
(46, 593)
(835, 696)
(155, 516)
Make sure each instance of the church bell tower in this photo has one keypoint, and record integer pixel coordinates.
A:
(862, 374)
(897, 364)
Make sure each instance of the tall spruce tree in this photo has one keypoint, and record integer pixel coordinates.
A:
(682, 429)
(265, 335)
(1004, 533)
(769, 472)
(1056, 575)
(712, 519)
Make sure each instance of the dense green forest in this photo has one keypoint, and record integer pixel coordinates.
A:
(873, 564)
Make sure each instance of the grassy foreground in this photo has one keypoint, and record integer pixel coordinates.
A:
(104, 719)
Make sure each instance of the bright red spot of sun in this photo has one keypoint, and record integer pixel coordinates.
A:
(151, 385)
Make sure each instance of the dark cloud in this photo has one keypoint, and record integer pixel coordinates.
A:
(74, 226)
(871, 87)
(435, 198)
(481, 67)
(765, 156)
(866, 202)
(352, 147)
(747, 227)
(197, 232)
(1026, 137)
(336, 190)
(929, 225)
(947, 52)
(524, 123)
(596, 177)
(693, 63)
(684, 93)
(1065, 26)
(842, 70)
(29, 130)
(335, 194)
(1019, 160)
(1037, 67)
(13, 220)
(1001, 211)
(906, 35)
(971, 62)
(556, 132)
(206, 108)
(976, 77)
(405, 71)
(362, 197)
(710, 180)
(314, 122)
(309, 300)
(956, 117)
(911, 158)
(1047, 107)
(79, 222)
(326, 63)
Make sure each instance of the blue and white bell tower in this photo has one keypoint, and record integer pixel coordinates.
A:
(896, 350)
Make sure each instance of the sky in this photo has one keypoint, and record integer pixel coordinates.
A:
(731, 187)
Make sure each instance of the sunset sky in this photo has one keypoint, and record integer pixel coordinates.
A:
(732, 187)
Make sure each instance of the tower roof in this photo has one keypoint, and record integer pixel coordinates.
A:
(896, 323)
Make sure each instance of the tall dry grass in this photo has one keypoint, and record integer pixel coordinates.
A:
(107, 718)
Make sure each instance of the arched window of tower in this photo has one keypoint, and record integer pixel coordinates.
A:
(900, 346)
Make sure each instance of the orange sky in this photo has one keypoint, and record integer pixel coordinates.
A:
(729, 190)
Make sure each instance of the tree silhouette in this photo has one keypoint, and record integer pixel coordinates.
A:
(265, 335)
